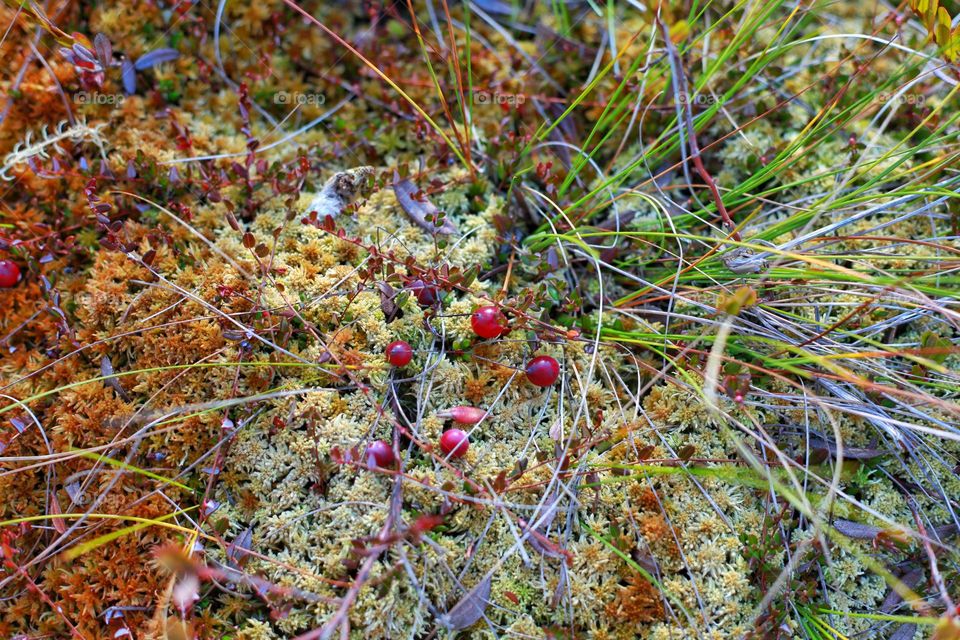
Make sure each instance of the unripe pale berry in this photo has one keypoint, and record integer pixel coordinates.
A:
(463, 415)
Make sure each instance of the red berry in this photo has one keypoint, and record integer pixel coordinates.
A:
(9, 273)
(543, 371)
(426, 293)
(381, 453)
(454, 443)
(399, 353)
(488, 322)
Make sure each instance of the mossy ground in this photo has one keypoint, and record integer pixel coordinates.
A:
(189, 351)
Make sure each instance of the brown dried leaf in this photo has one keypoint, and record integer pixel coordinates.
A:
(849, 453)
(388, 303)
(422, 212)
(687, 451)
(893, 599)
(471, 606)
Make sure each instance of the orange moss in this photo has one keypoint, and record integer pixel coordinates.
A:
(637, 601)
(658, 533)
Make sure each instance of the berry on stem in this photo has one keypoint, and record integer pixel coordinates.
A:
(399, 353)
(488, 322)
(454, 443)
(9, 273)
(381, 453)
(463, 415)
(543, 371)
(426, 294)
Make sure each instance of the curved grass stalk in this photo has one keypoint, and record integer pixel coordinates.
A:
(86, 547)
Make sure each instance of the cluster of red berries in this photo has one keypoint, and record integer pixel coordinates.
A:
(9, 273)
(487, 322)
(453, 443)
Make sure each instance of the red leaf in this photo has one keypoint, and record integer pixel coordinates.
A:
(425, 523)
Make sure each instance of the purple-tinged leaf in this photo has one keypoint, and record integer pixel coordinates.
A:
(422, 212)
(617, 221)
(893, 599)
(104, 49)
(106, 370)
(470, 608)
(155, 57)
(238, 551)
(856, 530)
(904, 632)
(129, 73)
(495, 6)
(537, 538)
(944, 531)
(82, 53)
(75, 493)
(849, 453)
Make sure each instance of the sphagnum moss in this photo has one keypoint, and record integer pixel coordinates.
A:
(250, 345)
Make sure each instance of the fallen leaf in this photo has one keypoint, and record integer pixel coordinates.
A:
(106, 370)
(422, 212)
(470, 608)
(849, 453)
(388, 303)
(856, 530)
(238, 552)
(155, 57)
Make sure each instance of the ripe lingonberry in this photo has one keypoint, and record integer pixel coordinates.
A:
(454, 443)
(381, 453)
(543, 371)
(488, 322)
(399, 353)
(9, 273)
